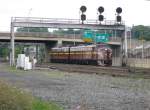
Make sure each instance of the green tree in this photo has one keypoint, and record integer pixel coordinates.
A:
(4, 52)
(18, 50)
(141, 32)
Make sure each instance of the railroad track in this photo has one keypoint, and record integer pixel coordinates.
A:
(115, 71)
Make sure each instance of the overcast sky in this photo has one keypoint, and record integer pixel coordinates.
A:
(134, 11)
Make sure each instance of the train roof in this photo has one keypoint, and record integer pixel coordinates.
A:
(79, 48)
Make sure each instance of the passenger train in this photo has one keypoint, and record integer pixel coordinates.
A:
(100, 54)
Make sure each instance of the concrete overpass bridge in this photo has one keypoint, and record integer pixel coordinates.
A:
(49, 37)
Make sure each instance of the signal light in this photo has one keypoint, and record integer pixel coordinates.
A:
(119, 10)
(101, 9)
(101, 18)
(83, 9)
(83, 17)
(118, 18)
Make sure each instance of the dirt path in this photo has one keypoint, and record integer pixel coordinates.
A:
(94, 92)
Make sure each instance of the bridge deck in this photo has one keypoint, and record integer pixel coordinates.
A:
(40, 36)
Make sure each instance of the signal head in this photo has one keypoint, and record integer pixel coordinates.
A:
(101, 18)
(101, 9)
(118, 18)
(83, 17)
(119, 10)
(83, 8)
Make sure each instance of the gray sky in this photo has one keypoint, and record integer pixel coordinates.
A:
(134, 11)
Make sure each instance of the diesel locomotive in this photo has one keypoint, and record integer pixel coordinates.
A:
(100, 54)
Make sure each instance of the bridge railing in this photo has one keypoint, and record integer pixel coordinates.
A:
(47, 35)
(45, 20)
(63, 21)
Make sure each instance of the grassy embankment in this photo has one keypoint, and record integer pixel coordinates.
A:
(13, 99)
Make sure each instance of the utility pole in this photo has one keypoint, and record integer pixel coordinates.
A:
(12, 50)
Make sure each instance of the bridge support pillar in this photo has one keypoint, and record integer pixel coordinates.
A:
(47, 50)
(48, 47)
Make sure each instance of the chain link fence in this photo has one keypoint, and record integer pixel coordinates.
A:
(138, 53)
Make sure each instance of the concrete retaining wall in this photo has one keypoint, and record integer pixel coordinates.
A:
(137, 62)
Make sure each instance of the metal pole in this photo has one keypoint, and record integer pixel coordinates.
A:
(126, 43)
(142, 49)
(12, 45)
(74, 38)
(130, 42)
(95, 37)
(129, 57)
(115, 34)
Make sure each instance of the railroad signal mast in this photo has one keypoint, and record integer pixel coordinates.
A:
(100, 17)
(83, 16)
(118, 17)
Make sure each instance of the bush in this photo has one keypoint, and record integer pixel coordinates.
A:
(13, 99)
(42, 105)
